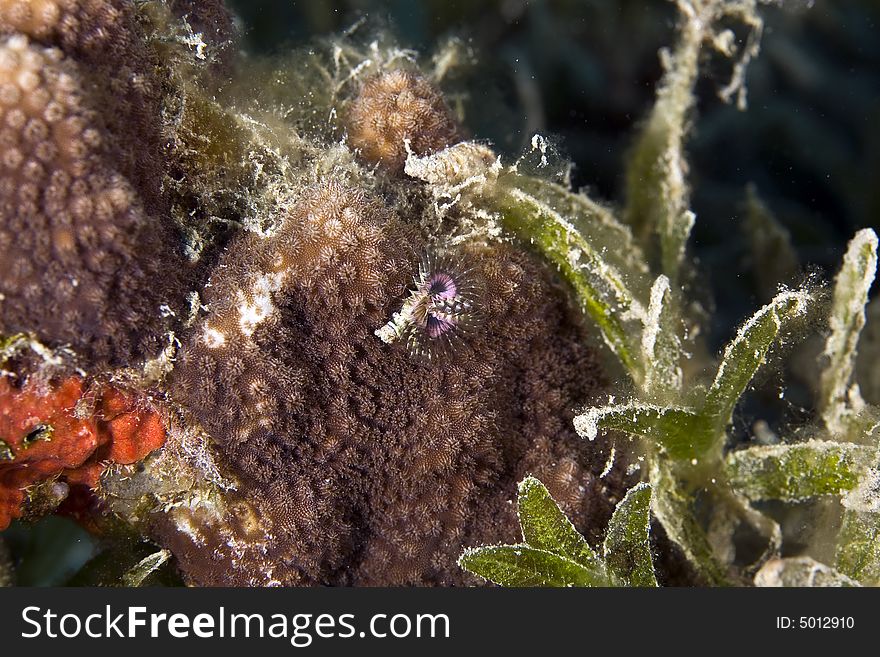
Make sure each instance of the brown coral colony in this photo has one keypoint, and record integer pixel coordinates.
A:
(370, 466)
(78, 178)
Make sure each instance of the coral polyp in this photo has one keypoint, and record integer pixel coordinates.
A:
(439, 310)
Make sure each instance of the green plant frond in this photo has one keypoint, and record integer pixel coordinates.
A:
(796, 472)
(627, 546)
(130, 563)
(846, 320)
(657, 193)
(660, 345)
(858, 542)
(673, 507)
(596, 223)
(858, 546)
(600, 288)
(747, 352)
(681, 432)
(522, 565)
(545, 527)
(136, 575)
(555, 554)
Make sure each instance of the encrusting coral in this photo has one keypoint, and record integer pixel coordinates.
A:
(67, 432)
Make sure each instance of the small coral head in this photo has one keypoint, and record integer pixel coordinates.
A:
(438, 311)
(395, 108)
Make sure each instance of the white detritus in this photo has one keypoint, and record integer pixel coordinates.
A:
(256, 307)
(609, 463)
(633, 468)
(213, 339)
(539, 143)
(865, 498)
(184, 524)
(194, 40)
